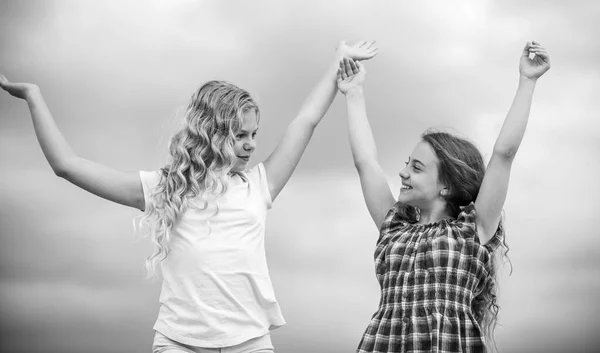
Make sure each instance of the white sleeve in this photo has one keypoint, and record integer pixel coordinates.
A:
(258, 176)
(149, 181)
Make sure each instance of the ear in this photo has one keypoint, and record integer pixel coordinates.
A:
(444, 193)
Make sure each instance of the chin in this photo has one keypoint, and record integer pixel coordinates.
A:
(406, 200)
(403, 199)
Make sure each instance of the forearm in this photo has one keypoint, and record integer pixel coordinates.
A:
(362, 142)
(320, 98)
(514, 126)
(53, 144)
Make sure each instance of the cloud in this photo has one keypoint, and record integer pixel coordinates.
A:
(116, 74)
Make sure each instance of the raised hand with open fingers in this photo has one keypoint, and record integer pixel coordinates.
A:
(363, 50)
(19, 90)
(351, 75)
(534, 68)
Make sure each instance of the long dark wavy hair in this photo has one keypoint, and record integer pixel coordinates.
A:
(461, 168)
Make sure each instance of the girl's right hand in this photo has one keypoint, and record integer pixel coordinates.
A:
(540, 63)
(19, 90)
(364, 50)
(351, 75)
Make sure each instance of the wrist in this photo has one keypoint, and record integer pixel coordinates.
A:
(32, 92)
(527, 80)
(356, 91)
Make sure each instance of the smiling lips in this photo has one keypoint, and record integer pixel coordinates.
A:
(405, 187)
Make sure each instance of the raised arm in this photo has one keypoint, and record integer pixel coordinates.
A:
(283, 160)
(376, 190)
(494, 187)
(121, 187)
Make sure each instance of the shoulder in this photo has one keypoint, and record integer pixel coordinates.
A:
(466, 223)
(257, 177)
(400, 216)
(256, 173)
(149, 179)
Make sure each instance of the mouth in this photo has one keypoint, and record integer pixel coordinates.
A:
(405, 187)
(244, 158)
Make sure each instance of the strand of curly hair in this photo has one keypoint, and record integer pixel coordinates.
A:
(202, 156)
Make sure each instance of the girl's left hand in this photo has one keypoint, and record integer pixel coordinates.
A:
(536, 67)
(351, 75)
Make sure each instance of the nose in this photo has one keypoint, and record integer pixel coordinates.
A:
(250, 145)
(403, 174)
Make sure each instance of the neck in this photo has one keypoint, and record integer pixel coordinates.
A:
(433, 214)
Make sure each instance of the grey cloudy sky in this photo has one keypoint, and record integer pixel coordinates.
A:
(117, 73)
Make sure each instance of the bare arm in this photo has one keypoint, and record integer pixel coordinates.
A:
(121, 187)
(494, 187)
(376, 190)
(283, 160)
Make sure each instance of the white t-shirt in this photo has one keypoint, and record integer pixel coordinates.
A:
(216, 289)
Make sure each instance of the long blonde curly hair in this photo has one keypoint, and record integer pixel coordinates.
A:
(201, 156)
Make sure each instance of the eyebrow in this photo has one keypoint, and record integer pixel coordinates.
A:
(417, 161)
(246, 131)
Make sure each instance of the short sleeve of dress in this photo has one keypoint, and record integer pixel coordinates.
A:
(149, 181)
(257, 175)
(397, 217)
(468, 216)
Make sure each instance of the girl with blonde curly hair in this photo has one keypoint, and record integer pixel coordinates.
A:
(438, 242)
(206, 209)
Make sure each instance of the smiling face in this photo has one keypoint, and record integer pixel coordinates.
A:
(420, 185)
(245, 140)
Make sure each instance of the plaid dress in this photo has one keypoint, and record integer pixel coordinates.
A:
(429, 275)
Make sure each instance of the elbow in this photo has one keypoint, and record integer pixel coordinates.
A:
(62, 169)
(60, 172)
(506, 151)
(359, 164)
(307, 122)
(304, 123)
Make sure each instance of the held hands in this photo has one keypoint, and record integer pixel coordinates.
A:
(536, 67)
(360, 51)
(19, 90)
(351, 75)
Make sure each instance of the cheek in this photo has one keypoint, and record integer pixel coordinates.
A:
(424, 182)
(238, 146)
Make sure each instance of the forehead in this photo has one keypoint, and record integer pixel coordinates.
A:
(424, 153)
(249, 120)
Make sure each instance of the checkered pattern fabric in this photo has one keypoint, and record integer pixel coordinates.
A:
(429, 275)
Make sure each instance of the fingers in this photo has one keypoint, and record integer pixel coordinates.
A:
(353, 67)
(369, 48)
(542, 57)
(526, 49)
(539, 51)
(344, 71)
(349, 68)
(3, 81)
(366, 45)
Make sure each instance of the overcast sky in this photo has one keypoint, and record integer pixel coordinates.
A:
(116, 75)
